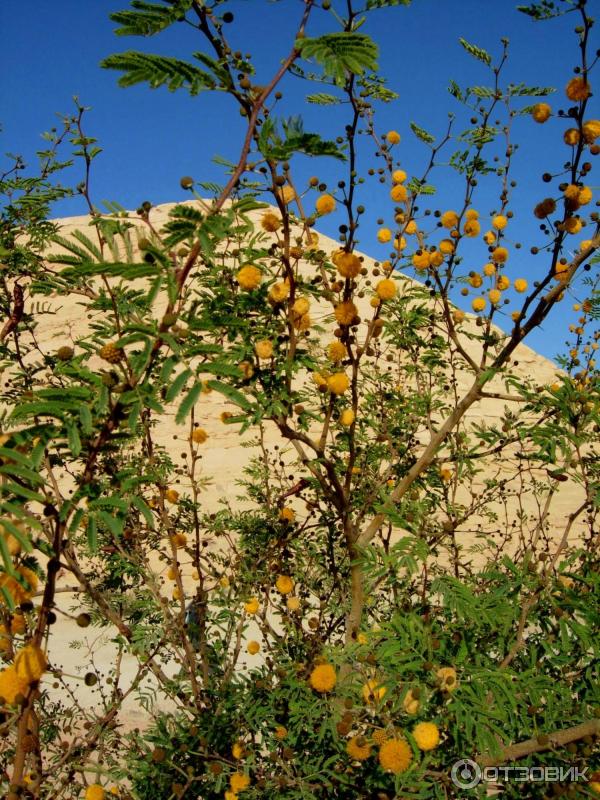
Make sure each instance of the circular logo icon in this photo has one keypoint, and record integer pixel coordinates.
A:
(465, 773)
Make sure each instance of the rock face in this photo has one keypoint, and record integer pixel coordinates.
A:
(225, 454)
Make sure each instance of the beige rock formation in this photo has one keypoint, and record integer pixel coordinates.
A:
(225, 454)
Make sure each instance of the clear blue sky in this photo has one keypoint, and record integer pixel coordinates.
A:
(51, 51)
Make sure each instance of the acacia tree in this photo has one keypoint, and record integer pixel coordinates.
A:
(343, 635)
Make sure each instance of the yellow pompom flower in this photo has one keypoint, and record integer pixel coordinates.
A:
(572, 225)
(398, 176)
(585, 244)
(379, 736)
(447, 678)
(495, 296)
(478, 304)
(325, 204)
(411, 227)
(347, 417)
(287, 194)
(541, 112)
(264, 348)
(436, 258)
(520, 285)
(301, 306)
(489, 237)
(410, 703)
(280, 732)
(471, 214)
(500, 255)
(398, 193)
(336, 351)
(252, 606)
(475, 280)
(393, 137)
(279, 292)
(179, 539)
(446, 246)
(348, 265)
(399, 242)
(249, 277)
(591, 130)
(12, 686)
(239, 782)
(386, 289)
(503, 282)
(458, 315)
(319, 380)
(499, 222)
(358, 748)
(270, 222)
(323, 678)
(384, 235)
(472, 228)
(287, 514)
(421, 260)
(284, 584)
(172, 495)
(345, 312)
(545, 208)
(94, 792)
(571, 136)
(395, 755)
(237, 750)
(372, 692)
(449, 219)
(584, 195)
(489, 270)
(253, 648)
(426, 735)
(338, 383)
(199, 436)
(578, 89)
(293, 603)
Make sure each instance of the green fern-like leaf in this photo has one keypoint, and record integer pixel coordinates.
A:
(341, 53)
(323, 99)
(158, 71)
(148, 18)
(477, 52)
(421, 133)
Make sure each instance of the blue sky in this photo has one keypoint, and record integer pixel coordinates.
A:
(151, 138)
